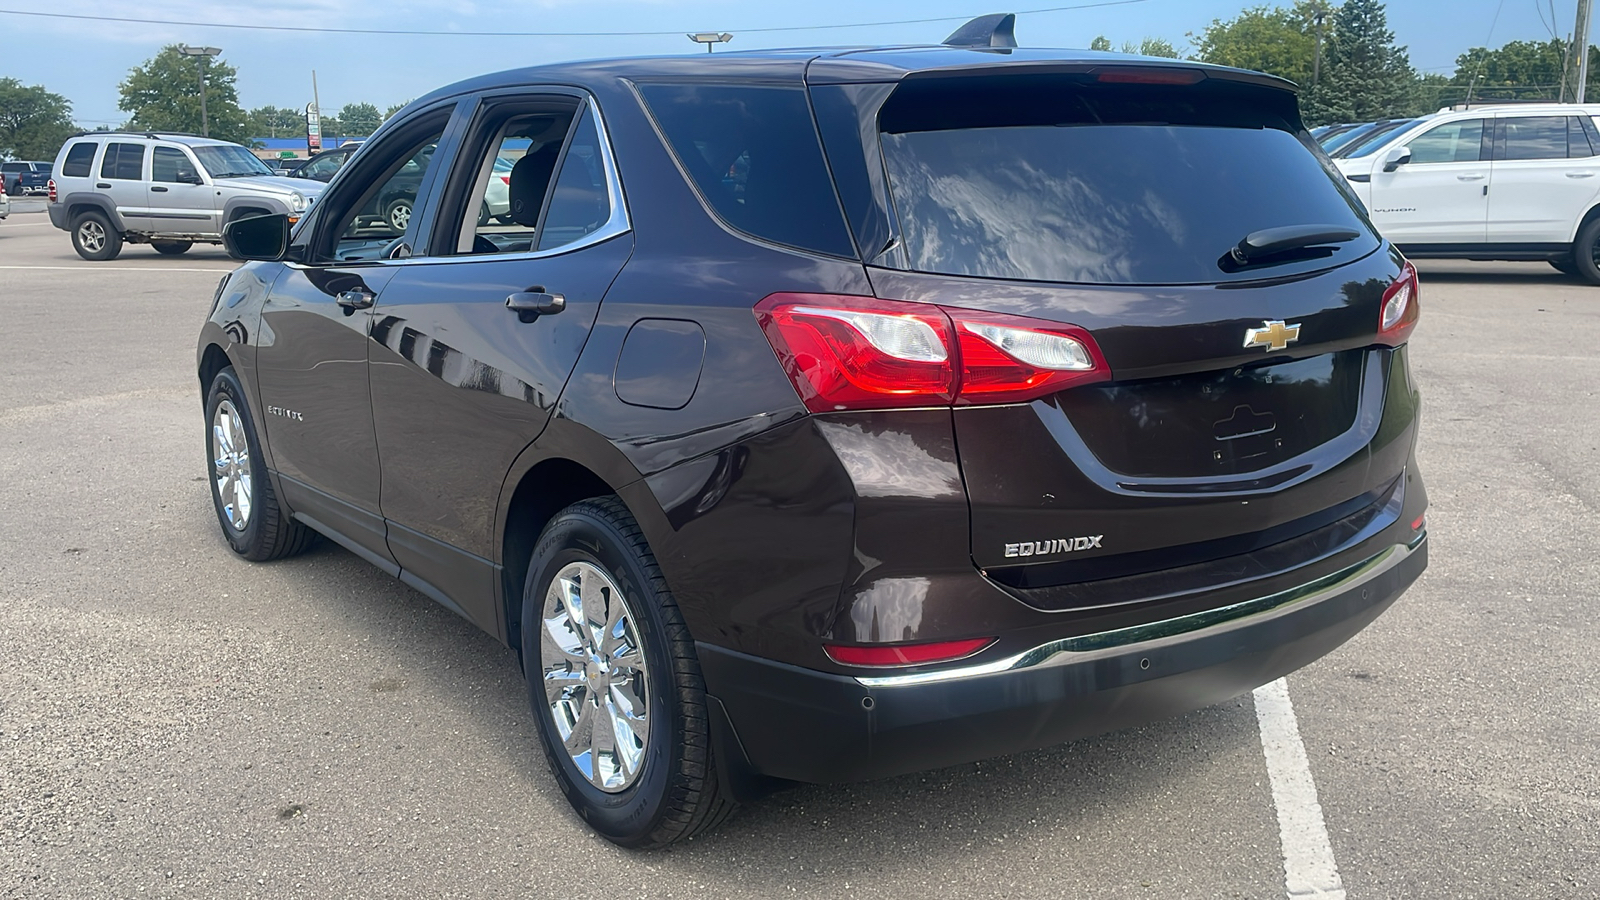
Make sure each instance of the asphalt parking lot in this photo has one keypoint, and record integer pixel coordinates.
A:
(175, 722)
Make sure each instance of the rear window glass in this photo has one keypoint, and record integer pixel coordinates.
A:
(125, 161)
(754, 154)
(79, 158)
(1050, 182)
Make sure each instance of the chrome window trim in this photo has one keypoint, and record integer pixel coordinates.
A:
(1108, 643)
(616, 225)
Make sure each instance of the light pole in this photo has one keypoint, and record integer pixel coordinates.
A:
(203, 54)
(710, 39)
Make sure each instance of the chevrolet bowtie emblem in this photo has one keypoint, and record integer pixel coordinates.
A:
(1273, 335)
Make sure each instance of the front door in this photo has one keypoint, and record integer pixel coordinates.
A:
(1544, 176)
(179, 203)
(1441, 195)
(312, 359)
(462, 383)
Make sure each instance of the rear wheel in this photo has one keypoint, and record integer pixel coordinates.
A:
(1586, 252)
(398, 215)
(171, 248)
(253, 522)
(615, 683)
(94, 238)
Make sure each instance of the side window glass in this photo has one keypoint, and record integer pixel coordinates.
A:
(512, 182)
(383, 213)
(579, 204)
(1533, 137)
(167, 162)
(1450, 142)
(124, 161)
(1578, 146)
(78, 160)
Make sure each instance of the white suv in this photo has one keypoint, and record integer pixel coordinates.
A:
(167, 190)
(1496, 182)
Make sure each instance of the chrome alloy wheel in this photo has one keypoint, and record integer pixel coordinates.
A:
(595, 680)
(230, 464)
(91, 235)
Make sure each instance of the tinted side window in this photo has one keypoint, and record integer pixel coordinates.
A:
(579, 205)
(165, 163)
(79, 158)
(1533, 137)
(1450, 142)
(1578, 145)
(124, 161)
(754, 154)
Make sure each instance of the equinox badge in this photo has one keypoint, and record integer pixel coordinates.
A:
(1057, 545)
(1273, 335)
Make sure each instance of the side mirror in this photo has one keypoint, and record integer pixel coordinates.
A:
(1396, 158)
(257, 237)
(189, 176)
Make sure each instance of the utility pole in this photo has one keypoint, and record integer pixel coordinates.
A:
(1316, 61)
(203, 54)
(1580, 40)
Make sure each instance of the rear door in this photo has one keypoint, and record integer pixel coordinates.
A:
(177, 204)
(461, 383)
(1245, 399)
(1441, 196)
(124, 170)
(1543, 178)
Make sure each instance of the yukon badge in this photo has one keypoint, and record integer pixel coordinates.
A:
(1056, 545)
(1273, 335)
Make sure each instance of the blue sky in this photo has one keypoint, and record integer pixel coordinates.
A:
(85, 60)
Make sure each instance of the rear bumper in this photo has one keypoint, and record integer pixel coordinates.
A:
(804, 725)
(58, 216)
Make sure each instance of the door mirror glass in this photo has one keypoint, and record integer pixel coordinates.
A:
(1396, 158)
(189, 176)
(257, 237)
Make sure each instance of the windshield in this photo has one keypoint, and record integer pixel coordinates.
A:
(229, 161)
(1373, 139)
(1354, 134)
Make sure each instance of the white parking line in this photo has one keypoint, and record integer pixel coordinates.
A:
(114, 269)
(25, 225)
(1308, 867)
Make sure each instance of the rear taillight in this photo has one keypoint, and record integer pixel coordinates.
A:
(1401, 308)
(845, 352)
(905, 654)
(52, 190)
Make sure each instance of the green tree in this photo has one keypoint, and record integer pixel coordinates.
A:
(1519, 70)
(164, 95)
(332, 127)
(360, 119)
(1152, 46)
(389, 113)
(1364, 75)
(274, 122)
(1273, 39)
(33, 121)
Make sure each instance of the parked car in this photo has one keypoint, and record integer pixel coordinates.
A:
(281, 166)
(5, 205)
(1370, 140)
(829, 415)
(21, 178)
(1324, 133)
(1493, 183)
(167, 190)
(322, 166)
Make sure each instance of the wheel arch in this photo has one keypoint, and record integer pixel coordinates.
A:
(1589, 216)
(213, 359)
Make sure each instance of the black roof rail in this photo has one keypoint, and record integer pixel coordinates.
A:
(994, 31)
(152, 135)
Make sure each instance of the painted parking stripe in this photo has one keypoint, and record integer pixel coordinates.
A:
(1308, 867)
(112, 269)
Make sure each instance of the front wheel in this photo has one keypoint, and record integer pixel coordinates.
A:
(1586, 252)
(615, 683)
(94, 238)
(253, 522)
(171, 248)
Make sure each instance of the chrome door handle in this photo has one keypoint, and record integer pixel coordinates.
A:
(535, 302)
(358, 298)
(1472, 176)
(1580, 174)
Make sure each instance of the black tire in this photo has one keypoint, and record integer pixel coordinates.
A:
(676, 793)
(1584, 252)
(397, 215)
(171, 248)
(1564, 266)
(94, 238)
(268, 532)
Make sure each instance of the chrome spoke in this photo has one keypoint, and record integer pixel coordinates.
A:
(230, 465)
(594, 593)
(558, 684)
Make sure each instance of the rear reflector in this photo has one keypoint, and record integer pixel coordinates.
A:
(1421, 521)
(1402, 307)
(848, 352)
(905, 654)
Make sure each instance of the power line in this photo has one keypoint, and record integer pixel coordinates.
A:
(435, 33)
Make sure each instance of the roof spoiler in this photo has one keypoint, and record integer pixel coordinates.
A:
(994, 31)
